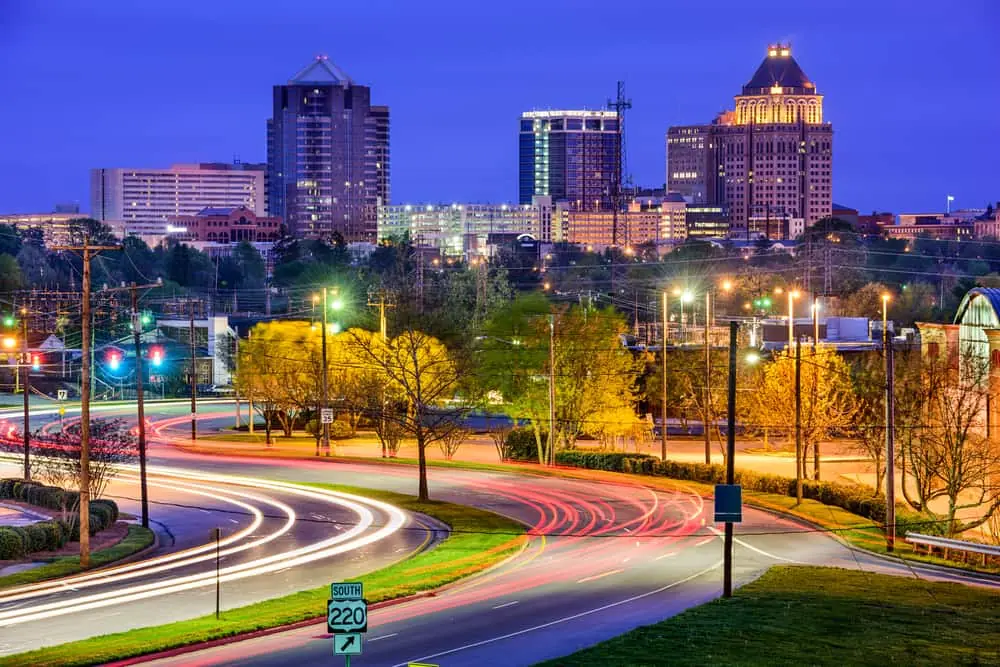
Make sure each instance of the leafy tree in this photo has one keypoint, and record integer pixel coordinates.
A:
(10, 274)
(10, 240)
(427, 376)
(865, 302)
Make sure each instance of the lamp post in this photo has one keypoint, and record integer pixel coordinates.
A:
(663, 372)
(890, 445)
(792, 295)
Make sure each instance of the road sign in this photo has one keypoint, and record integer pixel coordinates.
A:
(63, 394)
(346, 616)
(347, 644)
(62, 410)
(326, 415)
(347, 590)
(728, 503)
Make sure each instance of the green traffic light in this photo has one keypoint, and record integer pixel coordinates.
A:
(145, 318)
(8, 320)
(337, 304)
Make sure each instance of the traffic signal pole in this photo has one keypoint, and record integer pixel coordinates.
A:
(194, 376)
(136, 337)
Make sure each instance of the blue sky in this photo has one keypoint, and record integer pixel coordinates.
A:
(912, 88)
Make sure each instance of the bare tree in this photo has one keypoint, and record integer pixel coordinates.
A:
(452, 440)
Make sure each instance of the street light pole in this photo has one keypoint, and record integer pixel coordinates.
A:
(140, 408)
(727, 586)
(552, 389)
(663, 372)
(707, 393)
(326, 396)
(890, 445)
(798, 421)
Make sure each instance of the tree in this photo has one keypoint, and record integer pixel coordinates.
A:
(868, 430)
(261, 372)
(428, 378)
(112, 446)
(865, 302)
(10, 274)
(826, 395)
(593, 371)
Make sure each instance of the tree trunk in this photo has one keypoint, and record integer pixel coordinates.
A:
(422, 492)
(267, 428)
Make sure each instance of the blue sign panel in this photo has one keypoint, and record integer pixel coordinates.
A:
(728, 503)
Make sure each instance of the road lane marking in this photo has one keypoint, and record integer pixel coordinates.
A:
(598, 576)
(565, 619)
(703, 542)
(508, 604)
(375, 639)
(753, 548)
(666, 555)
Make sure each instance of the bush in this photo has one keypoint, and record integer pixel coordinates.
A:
(520, 445)
(11, 544)
(854, 498)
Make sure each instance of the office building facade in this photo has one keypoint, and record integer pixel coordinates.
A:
(327, 155)
(140, 201)
(570, 156)
(772, 156)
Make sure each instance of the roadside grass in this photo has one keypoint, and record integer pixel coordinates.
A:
(818, 616)
(479, 540)
(137, 539)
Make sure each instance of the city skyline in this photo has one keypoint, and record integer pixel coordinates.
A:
(445, 106)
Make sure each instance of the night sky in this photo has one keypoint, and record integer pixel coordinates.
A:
(912, 87)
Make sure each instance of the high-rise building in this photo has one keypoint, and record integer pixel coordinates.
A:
(772, 157)
(139, 201)
(571, 156)
(327, 154)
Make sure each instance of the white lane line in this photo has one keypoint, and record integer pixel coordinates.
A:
(666, 555)
(703, 542)
(565, 618)
(375, 639)
(598, 576)
(508, 604)
(753, 548)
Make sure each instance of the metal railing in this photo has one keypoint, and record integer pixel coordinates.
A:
(947, 545)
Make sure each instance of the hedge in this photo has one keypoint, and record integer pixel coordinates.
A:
(520, 445)
(854, 498)
(19, 541)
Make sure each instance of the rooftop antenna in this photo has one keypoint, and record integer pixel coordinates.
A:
(619, 105)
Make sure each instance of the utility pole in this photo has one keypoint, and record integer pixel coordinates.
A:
(798, 420)
(26, 365)
(552, 389)
(663, 372)
(87, 250)
(890, 445)
(727, 584)
(708, 376)
(194, 375)
(140, 408)
(382, 303)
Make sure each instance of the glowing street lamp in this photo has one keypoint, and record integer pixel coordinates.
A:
(885, 318)
(792, 295)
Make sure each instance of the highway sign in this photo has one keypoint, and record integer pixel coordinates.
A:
(326, 415)
(728, 503)
(347, 590)
(346, 616)
(62, 394)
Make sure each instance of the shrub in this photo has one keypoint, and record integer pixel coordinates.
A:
(520, 445)
(11, 544)
(340, 431)
(38, 537)
(854, 498)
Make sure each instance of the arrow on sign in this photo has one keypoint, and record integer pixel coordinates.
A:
(348, 643)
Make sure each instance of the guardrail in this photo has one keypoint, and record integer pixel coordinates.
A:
(946, 545)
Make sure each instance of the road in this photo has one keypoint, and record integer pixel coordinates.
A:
(603, 558)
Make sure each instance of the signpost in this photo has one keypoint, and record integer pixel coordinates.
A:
(62, 395)
(346, 615)
(728, 503)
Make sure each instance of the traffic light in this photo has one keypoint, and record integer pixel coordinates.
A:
(36, 362)
(9, 321)
(114, 360)
(156, 356)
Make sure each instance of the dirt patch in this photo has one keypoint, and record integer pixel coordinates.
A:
(102, 540)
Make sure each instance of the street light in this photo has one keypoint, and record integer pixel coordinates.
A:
(792, 295)
(885, 318)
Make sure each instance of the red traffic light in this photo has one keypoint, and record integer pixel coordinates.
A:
(156, 356)
(114, 360)
(36, 362)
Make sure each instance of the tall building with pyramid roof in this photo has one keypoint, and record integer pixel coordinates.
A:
(768, 162)
(327, 154)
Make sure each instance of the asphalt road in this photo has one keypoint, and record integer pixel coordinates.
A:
(604, 558)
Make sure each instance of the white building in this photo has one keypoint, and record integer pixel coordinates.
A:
(139, 201)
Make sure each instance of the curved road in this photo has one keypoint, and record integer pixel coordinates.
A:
(603, 558)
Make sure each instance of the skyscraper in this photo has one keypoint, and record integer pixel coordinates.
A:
(327, 154)
(570, 156)
(771, 157)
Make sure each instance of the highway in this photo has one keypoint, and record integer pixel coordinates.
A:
(603, 558)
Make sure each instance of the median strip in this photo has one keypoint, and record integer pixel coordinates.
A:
(479, 540)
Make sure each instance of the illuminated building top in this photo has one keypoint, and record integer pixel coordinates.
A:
(779, 92)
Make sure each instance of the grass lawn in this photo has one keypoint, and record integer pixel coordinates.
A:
(480, 539)
(137, 539)
(818, 616)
